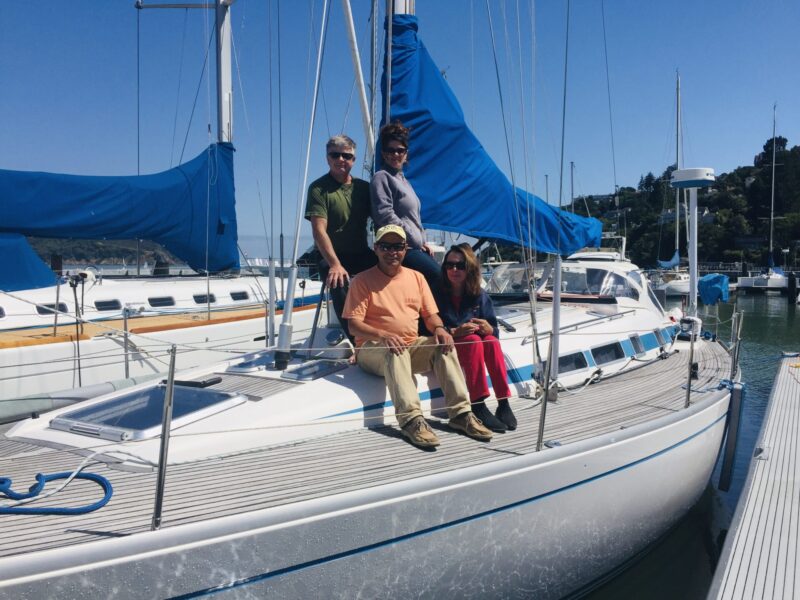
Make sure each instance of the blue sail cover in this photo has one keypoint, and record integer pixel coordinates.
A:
(460, 187)
(21, 268)
(182, 208)
(713, 288)
(672, 262)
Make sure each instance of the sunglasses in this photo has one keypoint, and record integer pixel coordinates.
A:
(398, 247)
(396, 150)
(344, 155)
(458, 266)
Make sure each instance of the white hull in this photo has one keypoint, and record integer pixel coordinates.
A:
(37, 365)
(762, 283)
(538, 525)
(47, 368)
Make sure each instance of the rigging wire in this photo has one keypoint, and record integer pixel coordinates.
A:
(280, 141)
(608, 90)
(196, 96)
(178, 93)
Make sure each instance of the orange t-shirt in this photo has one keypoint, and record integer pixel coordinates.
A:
(392, 304)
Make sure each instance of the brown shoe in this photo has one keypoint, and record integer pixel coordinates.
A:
(419, 433)
(471, 426)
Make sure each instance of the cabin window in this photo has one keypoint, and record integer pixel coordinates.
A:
(638, 346)
(240, 296)
(608, 353)
(659, 337)
(2, 313)
(159, 301)
(103, 305)
(49, 309)
(572, 362)
(204, 299)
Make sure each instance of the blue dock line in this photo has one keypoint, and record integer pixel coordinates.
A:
(36, 489)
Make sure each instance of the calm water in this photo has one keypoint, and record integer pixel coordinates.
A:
(682, 564)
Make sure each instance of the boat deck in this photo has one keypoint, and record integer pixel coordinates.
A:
(336, 463)
(34, 336)
(760, 558)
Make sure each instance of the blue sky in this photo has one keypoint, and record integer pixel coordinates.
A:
(68, 72)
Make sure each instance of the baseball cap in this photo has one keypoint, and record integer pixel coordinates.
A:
(389, 229)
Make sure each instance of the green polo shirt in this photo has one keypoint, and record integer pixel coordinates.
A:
(346, 207)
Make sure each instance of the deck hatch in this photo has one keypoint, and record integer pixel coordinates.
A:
(137, 415)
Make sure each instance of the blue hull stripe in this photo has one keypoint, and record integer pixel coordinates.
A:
(455, 523)
(514, 376)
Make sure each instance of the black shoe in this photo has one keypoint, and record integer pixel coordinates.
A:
(505, 414)
(487, 418)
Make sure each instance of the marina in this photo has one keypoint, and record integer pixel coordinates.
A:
(221, 433)
(760, 553)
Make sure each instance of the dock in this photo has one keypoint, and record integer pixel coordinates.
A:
(760, 558)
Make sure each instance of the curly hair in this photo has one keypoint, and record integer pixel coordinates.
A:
(394, 131)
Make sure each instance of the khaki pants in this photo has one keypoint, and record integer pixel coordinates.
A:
(398, 370)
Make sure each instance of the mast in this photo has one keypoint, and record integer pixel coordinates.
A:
(224, 79)
(772, 193)
(362, 91)
(677, 165)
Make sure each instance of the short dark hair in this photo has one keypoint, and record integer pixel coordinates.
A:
(394, 131)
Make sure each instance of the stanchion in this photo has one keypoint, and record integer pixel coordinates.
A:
(166, 423)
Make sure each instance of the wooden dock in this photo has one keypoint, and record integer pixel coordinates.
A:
(760, 558)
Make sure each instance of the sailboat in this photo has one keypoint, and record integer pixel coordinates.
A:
(58, 333)
(672, 279)
(294, 482)
(773, 279)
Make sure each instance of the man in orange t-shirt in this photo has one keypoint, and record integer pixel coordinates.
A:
(383, 308)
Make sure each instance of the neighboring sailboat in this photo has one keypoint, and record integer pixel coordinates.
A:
(128, 325)
(672, 279)
(313, 493)
(773, 279)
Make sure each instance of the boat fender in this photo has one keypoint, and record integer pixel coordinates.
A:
(36, 489)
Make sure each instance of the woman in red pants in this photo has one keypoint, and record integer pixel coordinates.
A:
(468, 314)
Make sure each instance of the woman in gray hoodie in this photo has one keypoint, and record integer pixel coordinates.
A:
(395, 202)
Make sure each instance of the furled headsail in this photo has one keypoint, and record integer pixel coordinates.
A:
(21, 268)
(459, 185)
(189, 209)
(672, 262)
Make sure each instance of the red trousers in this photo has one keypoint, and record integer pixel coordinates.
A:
(476, 352)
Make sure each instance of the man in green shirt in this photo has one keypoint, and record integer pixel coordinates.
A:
(338, 206)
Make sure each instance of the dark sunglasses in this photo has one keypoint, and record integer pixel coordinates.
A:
(458, 266)
(344, 155)
(396, 150)
(398, 247)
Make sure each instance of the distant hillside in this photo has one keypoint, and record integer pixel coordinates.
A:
(734, 224)
(101, 252)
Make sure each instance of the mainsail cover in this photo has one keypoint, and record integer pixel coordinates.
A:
(189, 209)
(460, 187)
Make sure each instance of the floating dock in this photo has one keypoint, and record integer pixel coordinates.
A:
(761, 558)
